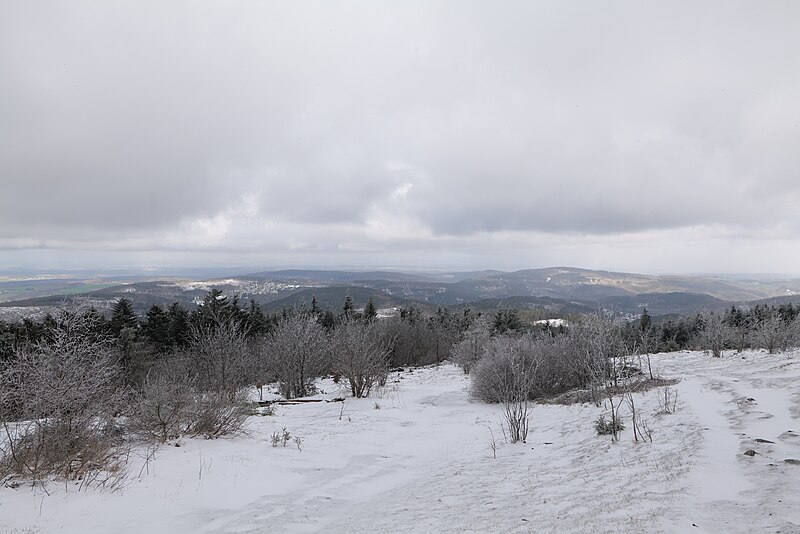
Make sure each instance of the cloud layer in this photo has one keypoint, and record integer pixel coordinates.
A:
(409, 133)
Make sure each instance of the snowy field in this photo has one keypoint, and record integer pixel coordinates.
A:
(417, 458)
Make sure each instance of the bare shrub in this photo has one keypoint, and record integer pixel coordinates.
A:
(647, 342)
(599, 353)
(60, 403)
(221, 355)
(170, 405)
(360, 355)
(644, 430)
(641, 429)
(715, 333)
(794, 333)
(295, 353)
(556, 370)
(667, 400)
(492, 443)
(217, 413)
(507, 374)
(615, 399)
(772, 333)
(468, 352)
(282, 438)
(163, 405)
(553, 368)
(413, 342)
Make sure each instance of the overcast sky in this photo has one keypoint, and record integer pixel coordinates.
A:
(638, 136)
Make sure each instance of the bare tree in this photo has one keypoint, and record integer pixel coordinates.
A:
(295, 353)
(360, 355)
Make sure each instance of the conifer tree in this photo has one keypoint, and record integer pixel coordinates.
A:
(348, 308)
(370, 312)
(122, 317)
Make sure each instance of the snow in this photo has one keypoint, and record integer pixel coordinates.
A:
(416, 458)
(251, 287)
(553, 323)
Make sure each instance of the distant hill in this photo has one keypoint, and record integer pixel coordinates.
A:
(554, 307)
(562, 288)
(569, 282)
(333, 298)
(663, 303)
(337, 277)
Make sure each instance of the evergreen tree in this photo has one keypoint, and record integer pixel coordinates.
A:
(348, 308)
(123, 317)
(327, 320)
(505, 320)
(255, 320)
(411, 315)
(370, 312)
(645, 321)
(157, 328)
(98, 325)
(178, 325)
(315, 309)
(214, 309)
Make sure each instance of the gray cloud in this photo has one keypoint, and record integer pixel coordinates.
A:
(361, 126)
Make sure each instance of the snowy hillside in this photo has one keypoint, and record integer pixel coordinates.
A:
(417, 458)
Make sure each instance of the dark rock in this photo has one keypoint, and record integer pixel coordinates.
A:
(792, 461)
(759, 440)
(749, 452)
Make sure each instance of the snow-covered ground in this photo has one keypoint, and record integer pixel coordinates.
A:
(417, 458)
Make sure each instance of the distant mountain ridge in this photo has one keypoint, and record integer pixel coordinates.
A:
(554, 288)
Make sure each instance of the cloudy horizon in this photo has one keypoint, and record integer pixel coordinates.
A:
(632, 136)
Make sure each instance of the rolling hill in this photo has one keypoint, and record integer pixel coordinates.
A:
(564, 289)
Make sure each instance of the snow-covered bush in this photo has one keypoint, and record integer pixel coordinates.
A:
(281, 438)
(164, 403)
(549, 368)
(170, 405)
(772, 333)
(507, 368)
(218, 414)
(61, 398)
(715, 333)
